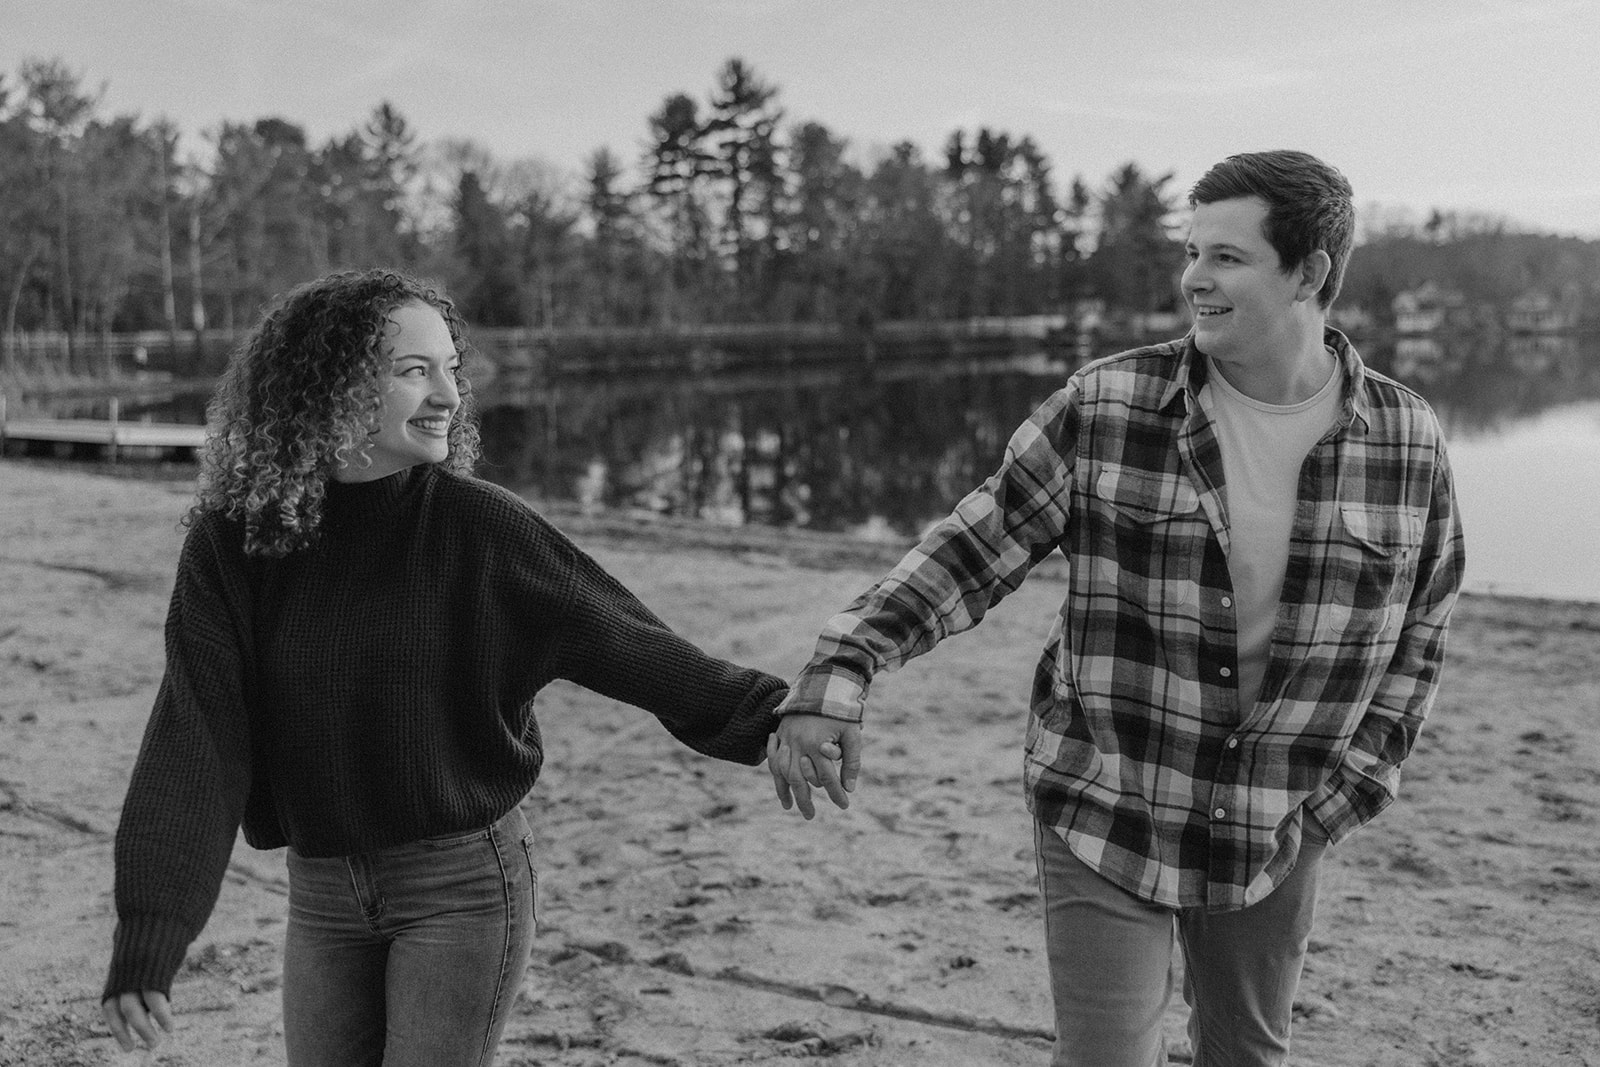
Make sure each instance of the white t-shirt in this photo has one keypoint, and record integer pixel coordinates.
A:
(1263, 447)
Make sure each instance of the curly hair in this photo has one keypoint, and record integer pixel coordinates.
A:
(300, 397)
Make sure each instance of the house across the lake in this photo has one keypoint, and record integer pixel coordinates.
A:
(1540, 312)
(1430, 308)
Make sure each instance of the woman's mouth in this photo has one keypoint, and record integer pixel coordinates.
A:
(434, 425)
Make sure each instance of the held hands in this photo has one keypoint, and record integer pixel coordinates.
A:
(145, 1016)
(802, 755)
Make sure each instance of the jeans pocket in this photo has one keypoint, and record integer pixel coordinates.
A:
(452, 840)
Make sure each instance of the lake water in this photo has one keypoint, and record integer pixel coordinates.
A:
(1530, 503)
(883, 451)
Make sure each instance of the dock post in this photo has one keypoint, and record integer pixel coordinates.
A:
(116, 410)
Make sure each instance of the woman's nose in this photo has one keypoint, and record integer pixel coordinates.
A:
(445, 391)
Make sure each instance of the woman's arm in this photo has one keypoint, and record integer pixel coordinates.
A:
(613, 644)
(187, 793)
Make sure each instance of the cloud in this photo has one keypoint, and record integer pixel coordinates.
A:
(1089, 109)
(1220, 78)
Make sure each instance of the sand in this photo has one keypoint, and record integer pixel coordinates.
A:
(686, 919)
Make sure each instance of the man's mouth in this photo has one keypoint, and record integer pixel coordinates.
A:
(1209, 311)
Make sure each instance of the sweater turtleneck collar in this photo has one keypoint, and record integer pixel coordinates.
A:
(358, 503)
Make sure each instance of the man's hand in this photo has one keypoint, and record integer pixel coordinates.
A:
(145, 1016)
(801, 756)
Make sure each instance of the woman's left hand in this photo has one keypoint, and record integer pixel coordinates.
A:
(145, 1015)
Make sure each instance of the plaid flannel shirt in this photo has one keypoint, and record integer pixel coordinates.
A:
(1137, 753)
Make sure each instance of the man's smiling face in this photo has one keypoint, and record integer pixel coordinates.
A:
(1246, 307)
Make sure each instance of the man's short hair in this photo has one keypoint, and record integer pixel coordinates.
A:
(1309, 206)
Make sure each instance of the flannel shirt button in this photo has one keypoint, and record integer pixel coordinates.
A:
(1220, 813)
(1233, 742)
(1227, 601)
(1227, 672)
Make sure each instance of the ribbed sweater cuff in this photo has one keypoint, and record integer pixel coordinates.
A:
(146, 952)
(744, 739)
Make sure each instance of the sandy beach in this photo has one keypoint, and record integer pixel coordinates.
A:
(685, 919)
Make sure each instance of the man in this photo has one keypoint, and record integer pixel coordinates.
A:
(1265, 552)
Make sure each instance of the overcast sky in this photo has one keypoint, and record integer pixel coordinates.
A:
(1479, 105)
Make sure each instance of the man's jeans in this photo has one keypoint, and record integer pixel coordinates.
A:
(1111, 962)
(408, 956)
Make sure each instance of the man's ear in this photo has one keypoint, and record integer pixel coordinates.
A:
(1313, 273)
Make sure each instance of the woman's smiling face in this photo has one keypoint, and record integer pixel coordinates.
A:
(419, 396)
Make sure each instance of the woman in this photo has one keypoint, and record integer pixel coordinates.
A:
(357, 631)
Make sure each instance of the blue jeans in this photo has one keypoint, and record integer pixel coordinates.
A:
(408, 956)
(1111, 963)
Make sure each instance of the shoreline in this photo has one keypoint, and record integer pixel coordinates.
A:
(630, 526)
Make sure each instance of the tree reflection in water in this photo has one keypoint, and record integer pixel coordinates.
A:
(888, 447)
(880, 445)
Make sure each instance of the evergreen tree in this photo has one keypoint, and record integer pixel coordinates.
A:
(740, 137)
(677, 168)
(543, 222)
(1137, 262)
(904, 242)
(488, 291)
(617, 264)
(822, 278)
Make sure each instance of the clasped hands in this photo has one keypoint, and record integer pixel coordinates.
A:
(809, 752)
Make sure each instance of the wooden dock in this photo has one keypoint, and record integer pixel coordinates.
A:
(112, 437)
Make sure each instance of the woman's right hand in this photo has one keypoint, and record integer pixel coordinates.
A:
(145, 1015)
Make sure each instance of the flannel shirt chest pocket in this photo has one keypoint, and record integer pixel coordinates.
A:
(1374, 558)
(1149, 535)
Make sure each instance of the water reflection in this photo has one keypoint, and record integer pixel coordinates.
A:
(843, 448)
(892, 447)
(1481, 385)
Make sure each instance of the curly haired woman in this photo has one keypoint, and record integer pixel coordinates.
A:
(357, 632)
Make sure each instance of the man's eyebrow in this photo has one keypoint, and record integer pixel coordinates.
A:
(1230, 246)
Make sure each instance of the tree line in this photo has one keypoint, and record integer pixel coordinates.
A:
(733, 213)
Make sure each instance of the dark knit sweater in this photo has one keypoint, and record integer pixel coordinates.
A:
(378, 687)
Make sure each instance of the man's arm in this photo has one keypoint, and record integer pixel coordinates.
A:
(968, 563)
(1367, 780)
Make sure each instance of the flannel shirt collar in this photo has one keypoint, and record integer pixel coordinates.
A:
(1356, 414)
(1190, 377)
